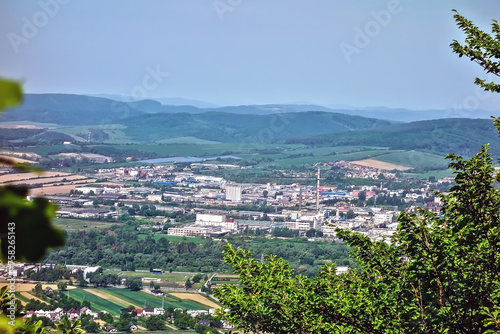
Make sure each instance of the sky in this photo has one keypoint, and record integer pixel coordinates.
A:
(392, 53)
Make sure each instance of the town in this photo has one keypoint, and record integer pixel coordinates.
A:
(188, 201)
(223, 207)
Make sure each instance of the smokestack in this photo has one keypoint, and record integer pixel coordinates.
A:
(300, 198)
(317, 190)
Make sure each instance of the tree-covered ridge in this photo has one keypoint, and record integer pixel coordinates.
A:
(460, 135)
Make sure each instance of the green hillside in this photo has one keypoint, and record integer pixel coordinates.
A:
(67, 109)
(458, 135)
(227, 127)
(164, 130)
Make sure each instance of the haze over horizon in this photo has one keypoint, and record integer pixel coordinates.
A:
(386, 53)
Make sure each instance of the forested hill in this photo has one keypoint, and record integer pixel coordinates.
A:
(227, 127)
(67, 109)
(459, 135)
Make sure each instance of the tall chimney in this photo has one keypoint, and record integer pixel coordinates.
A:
(317, 190)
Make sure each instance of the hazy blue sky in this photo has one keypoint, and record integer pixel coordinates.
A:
(362, 53)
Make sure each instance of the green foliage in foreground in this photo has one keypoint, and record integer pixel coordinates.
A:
(437, 275)
(480, 47)
(25, 226)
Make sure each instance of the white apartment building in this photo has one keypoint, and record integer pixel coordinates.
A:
(216, 220)
(195, 231)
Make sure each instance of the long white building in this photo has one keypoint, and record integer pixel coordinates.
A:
(216, 220)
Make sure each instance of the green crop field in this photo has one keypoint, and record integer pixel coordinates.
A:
(80, 224)
(415, 159)
(171, 277)
(438, 174)
(146, 300)
(308, 160)
(187, 140)
(333, 150)
(45, 149)
(182, 150)
(97, 303)
(176, 238)
(22, 298)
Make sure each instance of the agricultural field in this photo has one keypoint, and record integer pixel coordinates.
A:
(415, 159)
(173, 278)
(80, 224)
(48, 183)
(25, 177)
(325, 154)
(98, 302)
(44, 150)
(195, 297)
(22, 297)
(187, 140)
(176, 238)
(18, 160)
(380, 164)
(183, 150)
(143, 299)
(438, 174)
(114, 131)
(27, 287)
(112, 300)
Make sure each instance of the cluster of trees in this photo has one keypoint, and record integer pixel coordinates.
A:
(133, 283)
(98, 278)
(124, 247)
(146, 210)
(284, 232)
(49, 274)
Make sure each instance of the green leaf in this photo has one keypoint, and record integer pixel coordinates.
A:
(26, 231)
(11, 94)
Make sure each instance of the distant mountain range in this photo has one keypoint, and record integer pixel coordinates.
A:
(173, 101)
(149, 121)
(119, 107)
